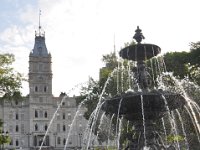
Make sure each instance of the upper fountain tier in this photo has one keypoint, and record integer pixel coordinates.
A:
(139, 52)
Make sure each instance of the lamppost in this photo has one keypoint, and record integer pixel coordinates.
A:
(55, 134)
(80, 136)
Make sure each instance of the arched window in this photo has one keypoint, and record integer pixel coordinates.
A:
(17, 128)
(36, 89)
(36, 127)
(58, 140)
(36, 114)
(45, 114)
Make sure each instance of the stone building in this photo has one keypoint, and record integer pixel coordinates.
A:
(27, 120)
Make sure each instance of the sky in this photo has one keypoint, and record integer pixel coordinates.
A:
(79, 32)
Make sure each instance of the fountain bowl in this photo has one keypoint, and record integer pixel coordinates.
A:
(154, 104)
(140, 52)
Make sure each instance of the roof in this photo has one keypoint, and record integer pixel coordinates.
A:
(40, 48)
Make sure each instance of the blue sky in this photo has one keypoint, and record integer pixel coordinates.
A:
(79, 32)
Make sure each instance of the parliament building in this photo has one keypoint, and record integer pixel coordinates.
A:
(27, 120)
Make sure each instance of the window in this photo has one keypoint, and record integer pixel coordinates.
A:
(17, 128)
(64, 128)
(45, 89)
(36, 114)
(36, 89)
(58, 140)
(45, 114)
(36, 127)
(17, 116)
(63, 115)
(64, 141)
(45, 127)
(17, 142)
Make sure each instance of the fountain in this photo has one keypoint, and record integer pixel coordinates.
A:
(146, 105)
(145, 108)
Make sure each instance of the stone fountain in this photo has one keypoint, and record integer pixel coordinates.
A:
(146, 105)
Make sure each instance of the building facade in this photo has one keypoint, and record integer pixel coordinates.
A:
(28, 120)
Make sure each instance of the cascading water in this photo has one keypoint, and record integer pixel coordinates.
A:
(153, 102)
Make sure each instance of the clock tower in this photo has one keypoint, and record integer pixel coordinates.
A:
(40, 73)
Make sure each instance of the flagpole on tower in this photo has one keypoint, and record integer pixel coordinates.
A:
(39, 22)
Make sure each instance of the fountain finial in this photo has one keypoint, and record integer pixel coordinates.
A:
(138, 35)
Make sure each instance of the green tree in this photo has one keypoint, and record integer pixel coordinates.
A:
(184, 64)
(4, 138)
(10, 80)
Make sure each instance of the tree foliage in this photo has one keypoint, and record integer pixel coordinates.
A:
(4, 138)
(10, 80)
(184, 64)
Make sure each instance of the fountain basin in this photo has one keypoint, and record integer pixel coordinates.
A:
(140, 52)
(154, 104)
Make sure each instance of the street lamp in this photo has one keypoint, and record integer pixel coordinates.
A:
(80, 136)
